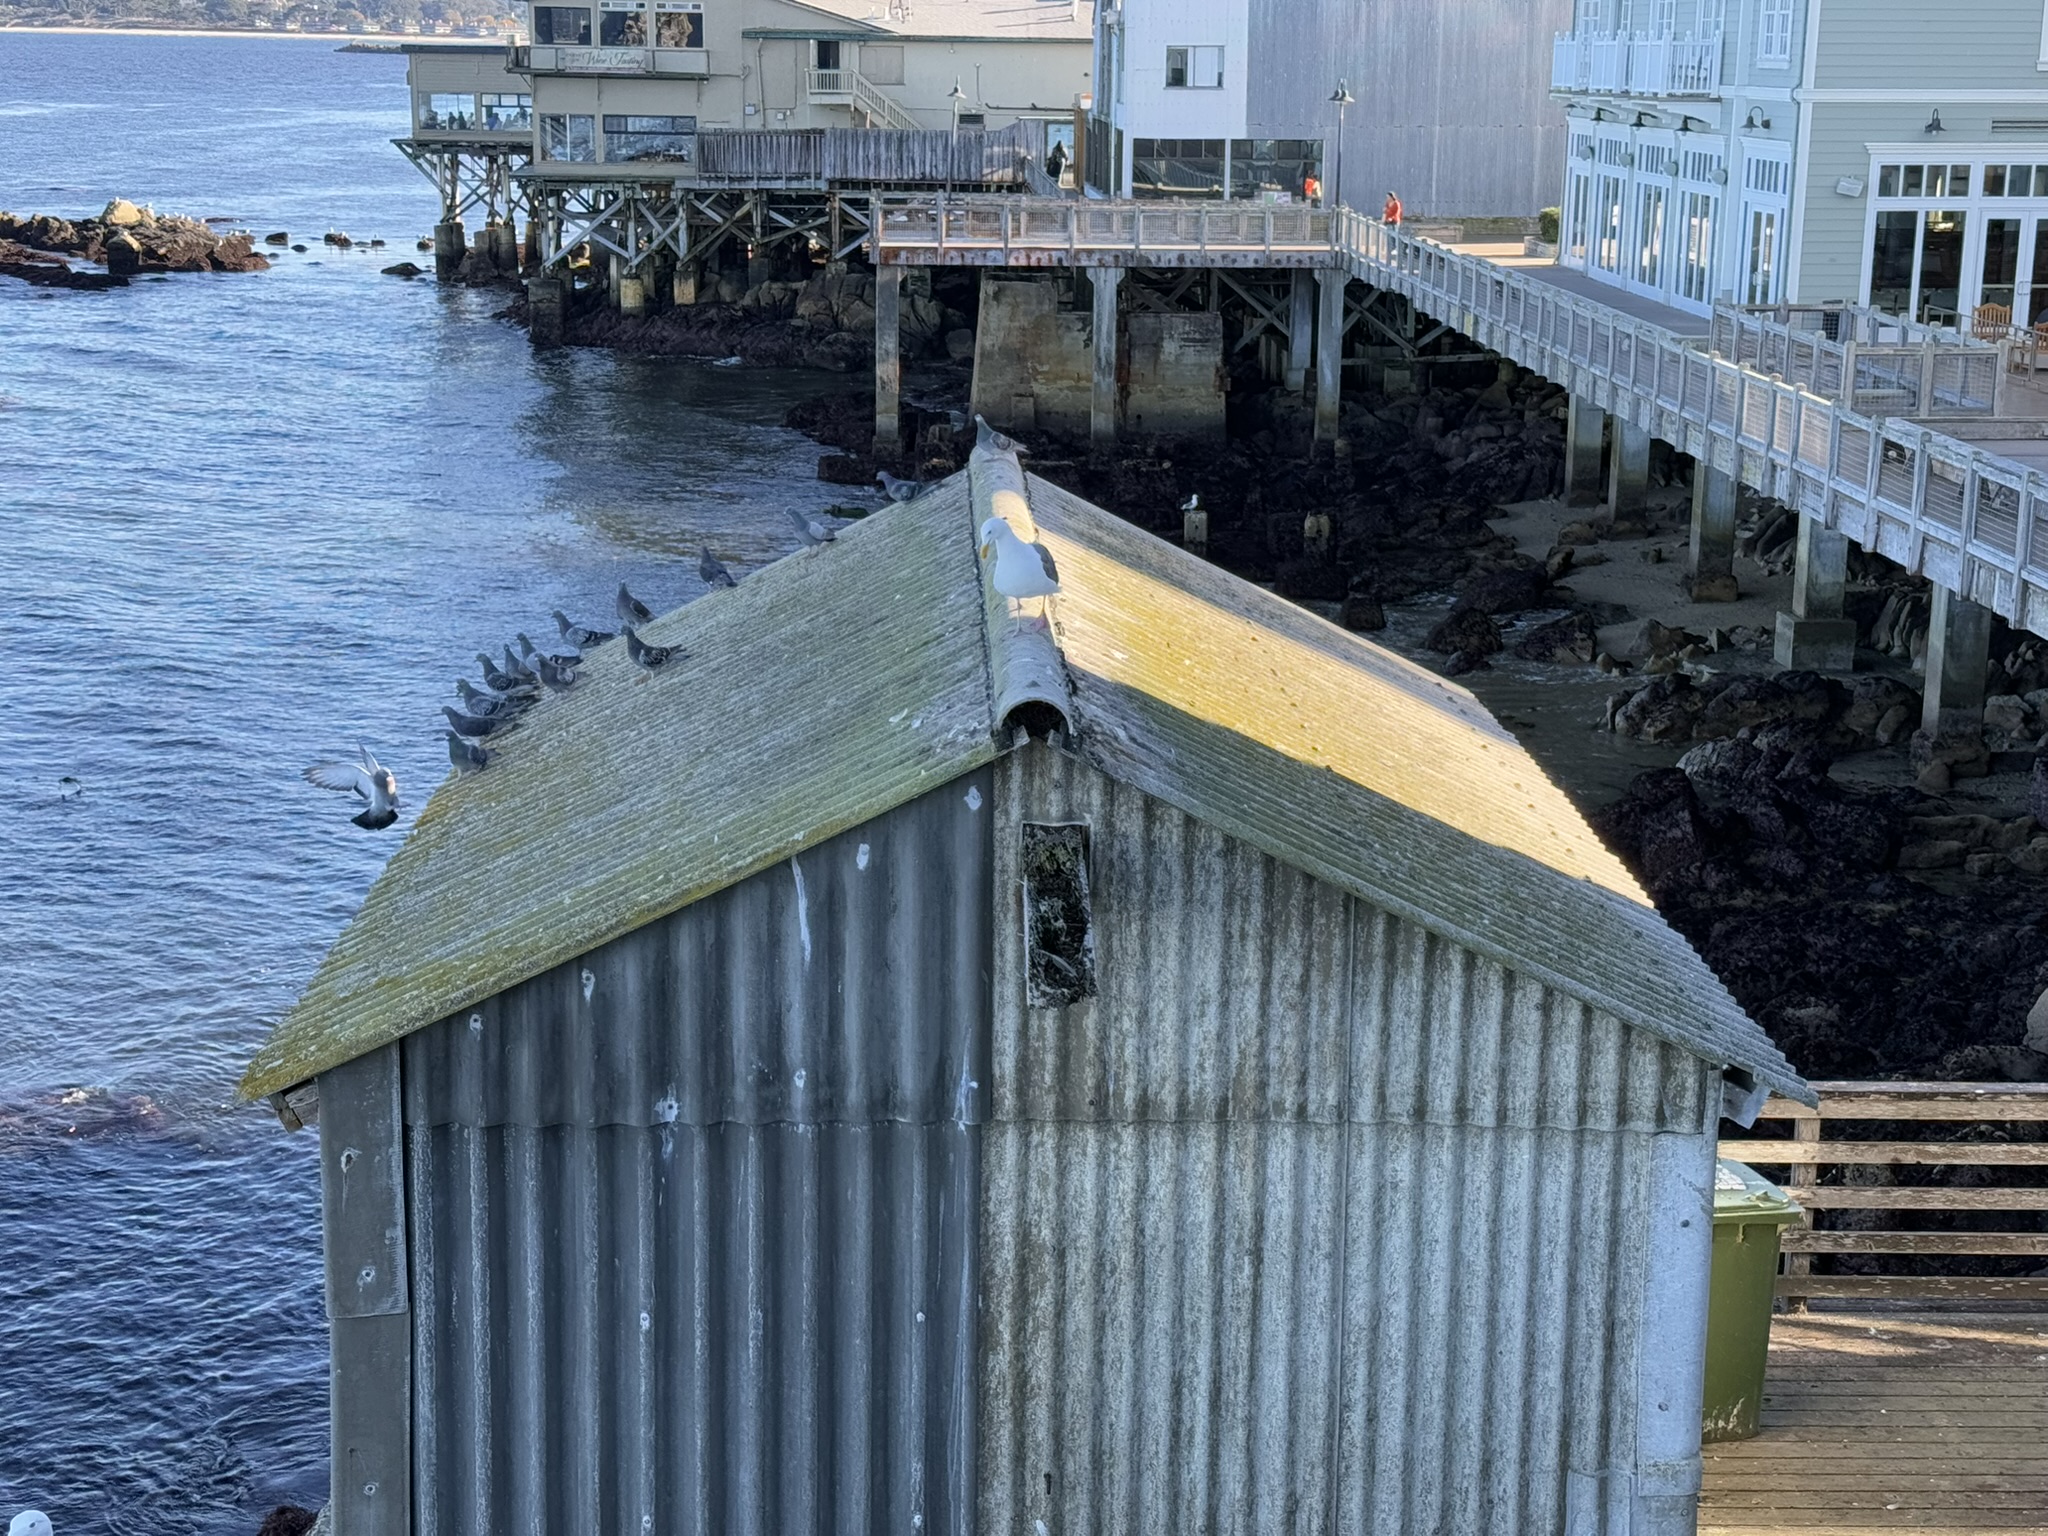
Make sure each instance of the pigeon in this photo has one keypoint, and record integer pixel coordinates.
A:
(473, 725)
(578, 636)
(712, 571)
(486, 705)
(467, 756)
(897, 487)
(557, 672)
(367, 778)
(30, 1522)
(1021, 570)
(631, 609)
(518, 670)
(810, 530)
(533, 655)
(986, 436)
(645, 655)
(496, 677)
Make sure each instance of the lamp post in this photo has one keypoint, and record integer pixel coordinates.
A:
(1340, 98)
(956, 96)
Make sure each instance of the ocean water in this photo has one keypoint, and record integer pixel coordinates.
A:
(245, 522)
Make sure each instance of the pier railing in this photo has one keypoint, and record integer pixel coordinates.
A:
(1849, 1188)
(875, 156)
(1874, 364)
(1043, 232)
(1618, 64)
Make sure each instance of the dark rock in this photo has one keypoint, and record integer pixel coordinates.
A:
(845, 469)
(1506, 589)
(1663, 709)
(1465, 632)
(404, 269)
(1466, 661)
(1572, 534)
(279, 237)
(287, 1520)
(1572, 638)
(1361, 613)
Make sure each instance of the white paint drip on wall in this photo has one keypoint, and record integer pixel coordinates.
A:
(803, 910)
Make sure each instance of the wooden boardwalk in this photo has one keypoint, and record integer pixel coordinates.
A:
(1892, 1422)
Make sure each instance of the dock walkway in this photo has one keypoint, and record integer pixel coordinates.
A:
(1892, 1423)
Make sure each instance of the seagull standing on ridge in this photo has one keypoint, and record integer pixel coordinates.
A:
(366, 778)
(712, 572)
(1021, 570)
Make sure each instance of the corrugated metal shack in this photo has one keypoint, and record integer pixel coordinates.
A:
(915, 1068)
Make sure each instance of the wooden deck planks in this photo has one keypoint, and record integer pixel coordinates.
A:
(1892, 1424)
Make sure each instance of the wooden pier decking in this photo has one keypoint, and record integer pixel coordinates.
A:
(1892, 1423)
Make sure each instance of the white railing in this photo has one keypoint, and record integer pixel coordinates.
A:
(849, 87)
(1037, 232)
(1969, 520)
(1616, 64)
(1876, 364)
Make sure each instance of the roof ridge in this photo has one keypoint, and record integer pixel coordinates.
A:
(1027, 674)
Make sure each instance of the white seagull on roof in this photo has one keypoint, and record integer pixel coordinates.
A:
(1021, 570)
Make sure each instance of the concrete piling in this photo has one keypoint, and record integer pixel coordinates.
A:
(1301, 331)
(451, 243)
(684, 284)
(547, 309)
(505, 248)
(1814, 636)
(1103, 380)
(888, 365)
(1710, 560)
(1628, 478)
(1585, 435)
(1329, 353)
(632, 294)
(1952, 703)
(1194, 532)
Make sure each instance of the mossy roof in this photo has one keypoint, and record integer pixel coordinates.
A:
(844, 681)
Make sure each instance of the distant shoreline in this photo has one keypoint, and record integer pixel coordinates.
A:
(339, 38)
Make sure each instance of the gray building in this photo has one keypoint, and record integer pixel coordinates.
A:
(1156, 1064)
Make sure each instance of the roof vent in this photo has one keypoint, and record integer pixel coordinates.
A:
(2019, 125)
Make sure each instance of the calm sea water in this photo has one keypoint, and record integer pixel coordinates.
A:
(246, 521)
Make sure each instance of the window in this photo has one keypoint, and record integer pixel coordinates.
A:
(1713, 14)
(1649, 265)
(1607, 224)
(2001, 262)
(1176, 167)
(1194, 69)
(1577, 215)
(568, 138)
(1941, 269)
(568, 25)
(440, 113)
(1763, 256)
(1891, 266)
(1697, 215)
(678, 25)
(506, 111)
(649, 138)
(622, 23)
(882, 65)
(825, 54)
(1273, 168)
(1774, 32)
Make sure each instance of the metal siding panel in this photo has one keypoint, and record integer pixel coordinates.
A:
(696, 1243)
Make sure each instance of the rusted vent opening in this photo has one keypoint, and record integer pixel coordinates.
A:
(1059, 931)
(1036, 718)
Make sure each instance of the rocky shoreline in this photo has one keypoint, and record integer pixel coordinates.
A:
(127, 241)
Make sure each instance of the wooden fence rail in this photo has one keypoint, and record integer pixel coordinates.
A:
(1807, 1152)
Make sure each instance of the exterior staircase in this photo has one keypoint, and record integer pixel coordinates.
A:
(850, 88)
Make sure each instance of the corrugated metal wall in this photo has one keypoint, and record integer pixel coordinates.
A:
(1454, 107)
(1374, 1263)
(693, 1219)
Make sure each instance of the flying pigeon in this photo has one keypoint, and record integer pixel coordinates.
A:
(577, 635)
(467, 756)
(30, 1522)
(473, 725)
(986, 436)
(810, 530)
(631, 609)
(1021, 570)
(897, 487)
(367, 778)
(712, 571)
(496, 677)
(487, 705)
(645, 655)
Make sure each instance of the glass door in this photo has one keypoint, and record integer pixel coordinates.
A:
(1941, 269)
(2030, 306)
(1999, 275)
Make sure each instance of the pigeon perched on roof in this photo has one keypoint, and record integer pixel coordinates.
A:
(496, 677)
(30, 1522)
(631, 609)
(486, 705)
(1021, 570)
(557, 672)
(648, 656)
(810, 529)
(711, 570)
(518, 670)
(467, 756)
(541, 660)
(366, 778)
(898, 488)
(473, 725)
(579, 636)
(986, 436)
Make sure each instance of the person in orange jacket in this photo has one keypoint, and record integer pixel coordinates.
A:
(1312, 188)
(1391, 214)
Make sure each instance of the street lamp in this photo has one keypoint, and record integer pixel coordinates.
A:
(956, 96)
(1340, 98)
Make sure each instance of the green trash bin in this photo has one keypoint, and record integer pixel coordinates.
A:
(1749, 1213)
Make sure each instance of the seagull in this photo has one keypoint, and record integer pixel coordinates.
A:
(898, 488)
(485, 705)
(1021, 570)
(365, 777)
(577, 635)
(986, 436)
(810, 529)
(496, 677)
(473, 725)
(1192, 504)
(467, 756)
(645, 655)
(631, 609)
(30, 1522)
(711, 570)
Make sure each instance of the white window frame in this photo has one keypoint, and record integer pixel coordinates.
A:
(1193, 57)
(1774, 32)
(2043, 61)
